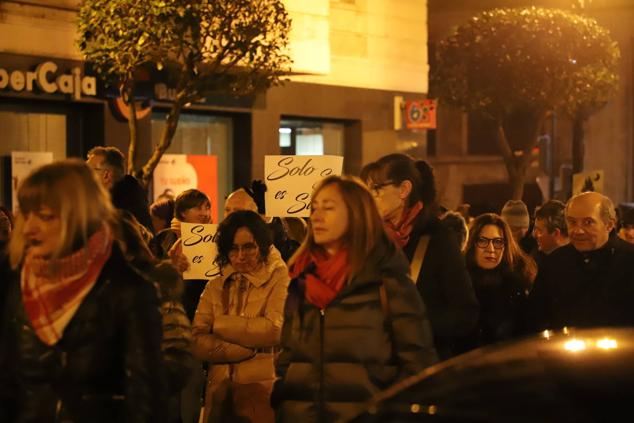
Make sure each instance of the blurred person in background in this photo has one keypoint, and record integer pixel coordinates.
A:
(84, 328)
(125, 191)
(239, 319)
(161, 213)
(502, 275)
(405, 192)
(354, 323)
(6, 226)
(550, 229)
(626, 222)
(515, 214)
(455, 222)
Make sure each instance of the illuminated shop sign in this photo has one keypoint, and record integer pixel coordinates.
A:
(46, 79)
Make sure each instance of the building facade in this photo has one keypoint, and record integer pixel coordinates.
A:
(352, 59)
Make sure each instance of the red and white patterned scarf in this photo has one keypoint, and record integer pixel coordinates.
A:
(53, 289)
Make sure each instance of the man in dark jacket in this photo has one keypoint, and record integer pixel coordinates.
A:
(125, 191)
(589, 282)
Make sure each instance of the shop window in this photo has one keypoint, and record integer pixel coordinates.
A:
(305, 138)
(24, 131)
(203, 134)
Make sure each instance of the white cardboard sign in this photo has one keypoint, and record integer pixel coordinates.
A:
(290, 181)
(199, 246)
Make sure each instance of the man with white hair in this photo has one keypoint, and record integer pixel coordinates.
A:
(589, 282)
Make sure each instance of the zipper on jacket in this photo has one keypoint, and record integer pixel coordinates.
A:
(322, 378)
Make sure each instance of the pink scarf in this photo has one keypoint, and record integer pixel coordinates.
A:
(53, 289)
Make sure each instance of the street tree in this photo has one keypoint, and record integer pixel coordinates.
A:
(204, 47)
(517, 65)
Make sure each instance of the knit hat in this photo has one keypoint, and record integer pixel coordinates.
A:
(626, 214)
(515, 214)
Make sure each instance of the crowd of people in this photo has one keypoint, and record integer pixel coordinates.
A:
(307, 320)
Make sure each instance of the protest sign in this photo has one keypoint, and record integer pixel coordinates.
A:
(199, 246)
(290, 181)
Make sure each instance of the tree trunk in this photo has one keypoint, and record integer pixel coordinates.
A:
(171, 123)
(578, 143)
(517, 160)
(126, 91)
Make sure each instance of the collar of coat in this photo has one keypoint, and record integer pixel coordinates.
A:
(263, 274)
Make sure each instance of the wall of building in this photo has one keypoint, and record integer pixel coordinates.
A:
(351, 59)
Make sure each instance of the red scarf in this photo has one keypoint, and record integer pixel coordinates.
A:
(53, 289)
(400, 233)
(328, 278)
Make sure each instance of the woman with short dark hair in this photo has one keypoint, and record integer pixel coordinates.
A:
(239, 319)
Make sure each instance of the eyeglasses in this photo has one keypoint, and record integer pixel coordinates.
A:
(375, 188)
(248, 249)
(483, 242)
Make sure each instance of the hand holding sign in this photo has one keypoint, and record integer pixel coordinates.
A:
(290, 181)
(199, 246)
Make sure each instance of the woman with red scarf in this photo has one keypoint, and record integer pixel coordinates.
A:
(354, 324)
(405, 192)
(82, 327)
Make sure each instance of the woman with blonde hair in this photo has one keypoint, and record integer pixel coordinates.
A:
(354, 323)
(502, 275)
(84, 331)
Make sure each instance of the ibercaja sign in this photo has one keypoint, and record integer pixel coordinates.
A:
(47, 78)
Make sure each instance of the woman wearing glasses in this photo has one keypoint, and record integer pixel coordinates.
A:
(239, 319)
(502, 275)
(405, 192)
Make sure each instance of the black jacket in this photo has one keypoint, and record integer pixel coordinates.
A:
(444, 284)
(502, 297)
(128, 194)
(333, 360)
(106, 368)
(584, 289)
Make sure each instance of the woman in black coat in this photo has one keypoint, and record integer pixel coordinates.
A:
(405, 192)
(354, 324)
(83, 331)
(502, 275)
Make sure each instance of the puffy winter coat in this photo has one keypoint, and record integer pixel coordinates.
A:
(107, 367)
(236, 334)
(335, 359)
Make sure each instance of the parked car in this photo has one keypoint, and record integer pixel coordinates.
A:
(573, 375)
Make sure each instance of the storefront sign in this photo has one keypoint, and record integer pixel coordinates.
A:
(420, 114)
(23, 163)
(176, 173)
(199, 246)
(290, 181)
(587, 181)
(47, 79)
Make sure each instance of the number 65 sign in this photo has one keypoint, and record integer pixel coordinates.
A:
(290, 181)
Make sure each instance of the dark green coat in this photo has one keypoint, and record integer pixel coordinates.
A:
(333, 360)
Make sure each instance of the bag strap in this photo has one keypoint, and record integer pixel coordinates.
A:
(419, 257)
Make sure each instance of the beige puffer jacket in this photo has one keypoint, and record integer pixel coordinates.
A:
(239, 344)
